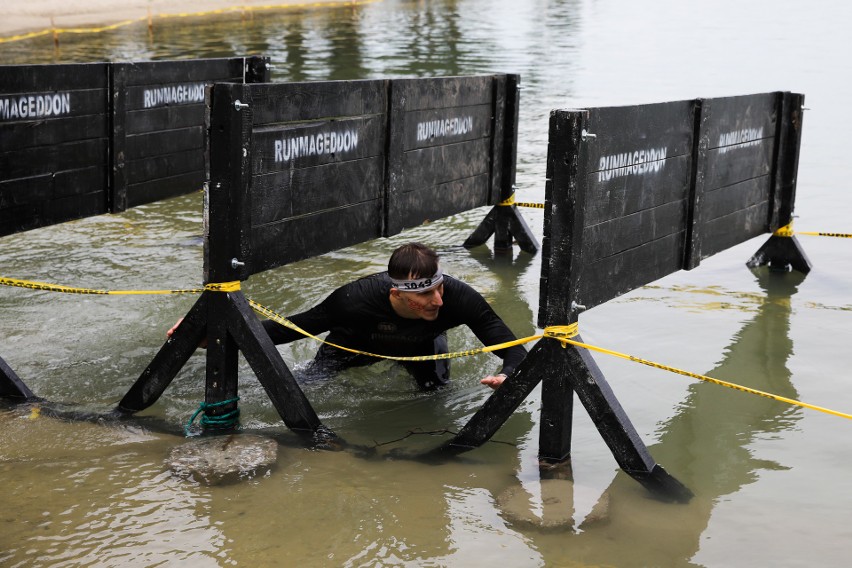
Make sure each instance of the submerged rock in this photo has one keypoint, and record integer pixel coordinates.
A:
(217, 460)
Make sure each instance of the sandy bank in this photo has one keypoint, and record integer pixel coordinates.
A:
(35, 15)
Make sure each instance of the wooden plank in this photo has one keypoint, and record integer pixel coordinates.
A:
(565, 195)
(787, 159)
(79, 182)
(21, 218)
(156, 167)
(162, 72)
(188, 91)
(615, 275)
(298, 238)
(51, 131)
(444, 92)
(729, 199)
(23, 191)
(624, 233)
(77, 206)
(166, 142)
(38, 106)
(165, 118)
(442, 164)
(447, 125)
(317, 143)
(44, 78)
(738, 227)
(440, 201)
(164, 187)
(395, 170)
(625, 136)
(504, 140)
(35, 161)
(117, 195)
(742, 120)
(307, 190)
(618, 193)
(290, 102)
(738, 163)
(228, 204)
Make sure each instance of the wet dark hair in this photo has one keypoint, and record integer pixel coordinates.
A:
(412, 260)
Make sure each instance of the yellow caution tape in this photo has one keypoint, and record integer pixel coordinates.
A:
(279, 319)
(561, 333)
(705, 378)
(231, 9)
(212, 287)
(818, 234)
(233, 286)
(511, 201)
(787, 231)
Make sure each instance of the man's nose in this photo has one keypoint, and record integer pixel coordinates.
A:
(436, 299)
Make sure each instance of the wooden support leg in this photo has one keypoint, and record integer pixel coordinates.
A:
(483, 231)
(271, 371)
(507, 225)
(501, 404)
(169, 360)
(11, 386)
(594, 392)
(565, 371)
(781, 253)
(221, 385)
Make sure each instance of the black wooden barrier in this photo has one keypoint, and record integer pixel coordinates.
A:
(158, 124)
(81, 140)
(505, 222)
(634, 194)
(297, 170)
(54, 144)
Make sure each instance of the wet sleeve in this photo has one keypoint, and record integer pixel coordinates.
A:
(489, 328)
(316, 320)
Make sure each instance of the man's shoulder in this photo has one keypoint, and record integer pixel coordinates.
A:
(367, 287)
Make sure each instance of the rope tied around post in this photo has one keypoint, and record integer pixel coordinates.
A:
(562, 333)
(222, 422)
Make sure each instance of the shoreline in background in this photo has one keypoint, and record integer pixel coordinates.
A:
(34, 16)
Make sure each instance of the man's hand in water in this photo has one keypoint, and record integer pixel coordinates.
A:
(494, 381)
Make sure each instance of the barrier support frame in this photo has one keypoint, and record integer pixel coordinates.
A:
(226, 319)
(505, 221)
(11, 386)
(566, 370)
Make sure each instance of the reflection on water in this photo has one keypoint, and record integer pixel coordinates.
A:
(97, 494)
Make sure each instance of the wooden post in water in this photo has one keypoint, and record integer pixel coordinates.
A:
(783, 251)
(11, 386)
(505, 222)
(225, 317)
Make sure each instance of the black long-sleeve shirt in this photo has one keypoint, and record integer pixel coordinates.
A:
(360, 316)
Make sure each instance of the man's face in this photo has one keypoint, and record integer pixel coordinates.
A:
(424, 305)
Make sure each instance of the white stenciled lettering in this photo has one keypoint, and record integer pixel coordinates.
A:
(323, 143)
(455, 126)
(740, 139)
(173, 94)
(639, 162)
(35, 106)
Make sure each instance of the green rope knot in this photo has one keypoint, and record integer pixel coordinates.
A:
(221, 422)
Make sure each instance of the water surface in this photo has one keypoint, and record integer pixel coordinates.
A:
(771, 481)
